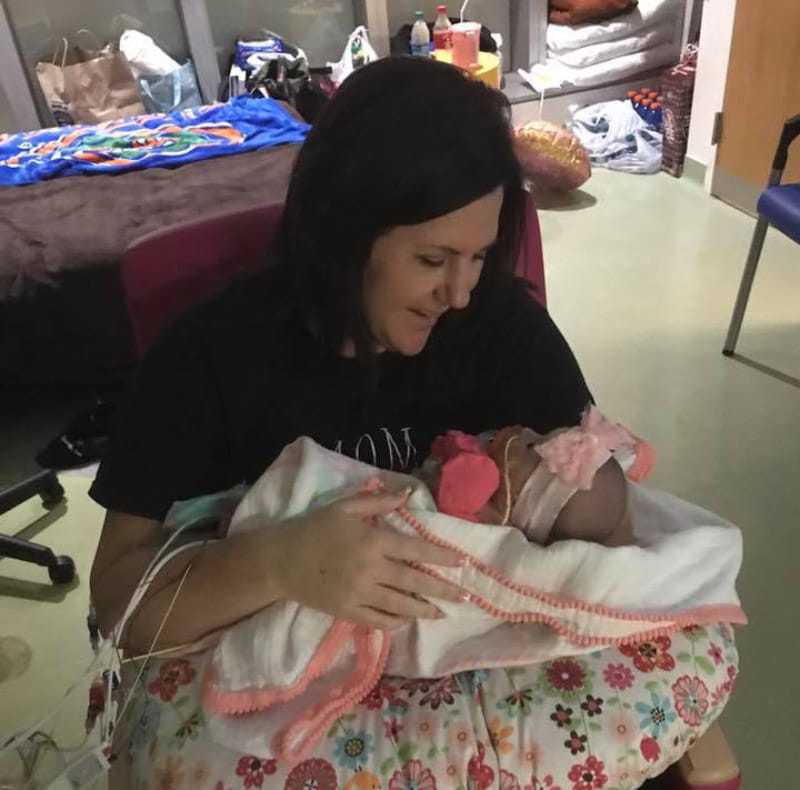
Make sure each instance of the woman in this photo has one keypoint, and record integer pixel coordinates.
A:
(388, 316)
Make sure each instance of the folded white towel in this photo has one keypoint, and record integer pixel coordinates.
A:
(591, 54)
(566, 38)
(615, 69)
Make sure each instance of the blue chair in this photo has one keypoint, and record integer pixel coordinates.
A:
(779, 206)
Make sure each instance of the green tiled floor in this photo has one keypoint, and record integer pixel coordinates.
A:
(642, 281)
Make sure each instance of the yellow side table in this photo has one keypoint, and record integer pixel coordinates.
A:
(488, 70)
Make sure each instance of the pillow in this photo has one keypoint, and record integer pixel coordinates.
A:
(551, 156)
(574, 12)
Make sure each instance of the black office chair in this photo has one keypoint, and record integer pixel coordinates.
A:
(44, 484)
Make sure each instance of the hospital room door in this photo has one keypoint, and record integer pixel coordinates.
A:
(762, 90)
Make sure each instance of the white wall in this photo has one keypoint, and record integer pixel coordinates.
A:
(712, 69)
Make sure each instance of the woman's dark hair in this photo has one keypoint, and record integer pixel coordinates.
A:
(403, 141)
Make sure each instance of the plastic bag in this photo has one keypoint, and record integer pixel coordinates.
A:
(283, 73)
(268, 66)
(252, 55)
(171, 92)
(617, 137)
(358, 40)
(145, 57)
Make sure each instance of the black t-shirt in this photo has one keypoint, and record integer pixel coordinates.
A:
(236, 379)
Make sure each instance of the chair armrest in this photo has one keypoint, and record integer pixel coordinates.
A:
(710, 763)
(791, 130)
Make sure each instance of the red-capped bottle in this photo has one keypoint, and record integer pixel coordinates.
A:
(442, 29)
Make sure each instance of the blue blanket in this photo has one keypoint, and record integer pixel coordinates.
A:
(243, 124)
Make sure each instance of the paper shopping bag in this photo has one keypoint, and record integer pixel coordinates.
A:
(98, 87)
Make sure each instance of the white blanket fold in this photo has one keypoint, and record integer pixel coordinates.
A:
(277, 680)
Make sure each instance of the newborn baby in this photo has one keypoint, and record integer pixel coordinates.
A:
(568, 484)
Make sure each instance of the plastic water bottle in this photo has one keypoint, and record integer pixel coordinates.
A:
(420, 37)
(442, 30)
(658, 117)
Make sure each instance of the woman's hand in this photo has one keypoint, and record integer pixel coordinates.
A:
(336, 562)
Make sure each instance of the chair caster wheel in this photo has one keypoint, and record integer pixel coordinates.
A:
(63, 571)
(52, 495)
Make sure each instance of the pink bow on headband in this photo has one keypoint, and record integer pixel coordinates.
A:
(576, 454)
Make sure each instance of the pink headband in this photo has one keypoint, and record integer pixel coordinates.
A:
(469, 477)
(570, 461)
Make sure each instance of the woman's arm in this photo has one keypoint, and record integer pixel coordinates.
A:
(332, 560)
(228, 580)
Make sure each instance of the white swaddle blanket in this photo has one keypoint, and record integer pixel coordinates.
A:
(277, 680)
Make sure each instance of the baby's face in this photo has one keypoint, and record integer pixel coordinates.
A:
(513, 450)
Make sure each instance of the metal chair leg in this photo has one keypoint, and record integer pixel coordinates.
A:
(746, 285)
(44, 484)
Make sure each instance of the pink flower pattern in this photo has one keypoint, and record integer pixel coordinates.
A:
(571, 718)
(254, 769)
(480, 774)
(316, 773)
(508, 781)
(691, 699)
(172, 674)
(443, 693)
(547, 783)
(650, 749)
(588, 775)
(566, 675)
(412, 776)
(383, 693)
(392, 729)
(618, 676)
(650, 654)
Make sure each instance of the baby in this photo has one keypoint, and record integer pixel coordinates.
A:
(568, 484)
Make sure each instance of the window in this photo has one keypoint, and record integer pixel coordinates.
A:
(8, 122)
(494, 14)
(319, 27)
(39, 26)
